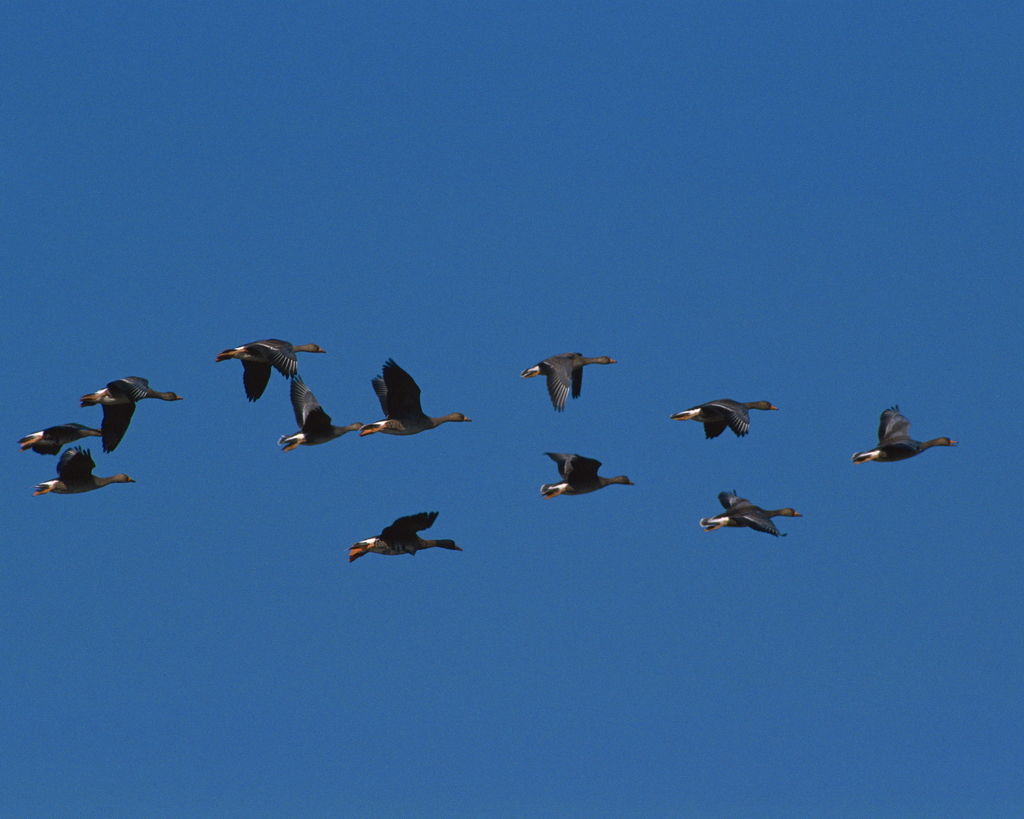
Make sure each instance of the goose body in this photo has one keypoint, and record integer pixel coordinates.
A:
(118, 400)
(564, 371)
(50, 440)
(579, 476)
(894, 441)
(717, 415)
(741, 512)
(74, 475)
(315, 426)
(401, 538)
(258, 357)
(399, 398)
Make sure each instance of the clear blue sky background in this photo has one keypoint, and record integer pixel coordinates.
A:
(814, 204)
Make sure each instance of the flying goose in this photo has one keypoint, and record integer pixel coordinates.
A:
(399, 399)
(562, 371)
(257, 357)
(717, 415)
(741, 512)
(401, 538)
(118, 399)
(579, 476)
(894, 441)
(74, 475)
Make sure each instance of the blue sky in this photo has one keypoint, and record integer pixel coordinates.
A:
(815, 205)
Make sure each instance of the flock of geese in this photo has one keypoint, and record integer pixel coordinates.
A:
(399, 397)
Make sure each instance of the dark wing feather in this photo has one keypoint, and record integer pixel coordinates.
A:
(47, 446)
(401, 395)
(732, 413)
(317, 421)
(75, 465)
(712, 429)
(580, 470)
(381, 389)
(133, 388)
(255, 377)
(577, 379)
(116, 418)
(405, 528)
(731, 499)
(309, 415)
(558, 373)
(893, 426)
(279, 353)
(756, 521)
(563, 460)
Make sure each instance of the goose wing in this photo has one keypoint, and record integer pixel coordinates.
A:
(730, 500)
(47, 446)
(564, 461)
(116, 418)
(577, 378)
(559, 373)
(576, 468)
(404, 529)
(132, 387)
(893, 427)
(279, 353)
(75, 465)
(255, 377)
(732, 413)
(399, 395)
(752, 516)
(309, 415)
(712, 429)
